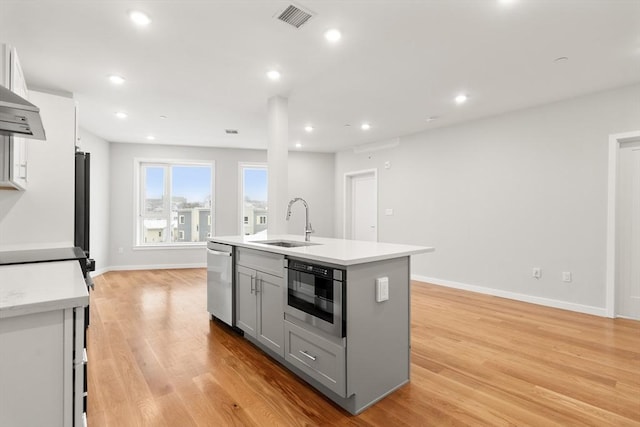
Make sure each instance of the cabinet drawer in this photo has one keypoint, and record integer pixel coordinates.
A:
(319, 358)
(262, 261)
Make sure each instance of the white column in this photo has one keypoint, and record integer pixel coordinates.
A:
(277, 162)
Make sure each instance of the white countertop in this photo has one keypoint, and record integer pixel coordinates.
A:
(334, 251)
(40, 287)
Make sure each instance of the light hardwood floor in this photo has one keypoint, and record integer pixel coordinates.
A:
(156, 359)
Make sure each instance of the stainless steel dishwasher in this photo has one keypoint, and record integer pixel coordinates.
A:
(220, 302)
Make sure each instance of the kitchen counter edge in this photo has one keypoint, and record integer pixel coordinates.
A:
(334, 251)
(41, 287)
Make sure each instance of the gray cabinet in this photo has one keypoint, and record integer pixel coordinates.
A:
(246, 313)
(260, 298)
(316, 356)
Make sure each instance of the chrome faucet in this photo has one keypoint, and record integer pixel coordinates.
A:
(307, 228)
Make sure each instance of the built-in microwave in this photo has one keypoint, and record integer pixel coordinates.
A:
(316, 295)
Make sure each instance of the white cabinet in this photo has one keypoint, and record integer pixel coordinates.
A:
(260, 298)
(13, 150)
(42, 325)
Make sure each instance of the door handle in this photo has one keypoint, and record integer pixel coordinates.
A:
(308, 355)
(24, 166)
(212, 252)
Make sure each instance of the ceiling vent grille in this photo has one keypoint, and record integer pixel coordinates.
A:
(295, 16)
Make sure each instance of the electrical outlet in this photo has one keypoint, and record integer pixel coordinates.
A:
(536, 273)
(382, 289)
(566, 276)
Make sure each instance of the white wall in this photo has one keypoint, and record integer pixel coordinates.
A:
(226, 202)
(42, 216)
(99, 198)
(311, 177)
(499, 196)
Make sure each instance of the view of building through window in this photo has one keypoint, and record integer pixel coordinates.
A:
(254, 199)
(176, 203)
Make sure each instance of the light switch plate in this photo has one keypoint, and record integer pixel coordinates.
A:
(382, 289)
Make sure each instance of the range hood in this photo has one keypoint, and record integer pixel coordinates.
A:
(19, 117)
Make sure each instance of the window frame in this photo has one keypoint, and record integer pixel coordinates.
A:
(241, 168)
(138, 202)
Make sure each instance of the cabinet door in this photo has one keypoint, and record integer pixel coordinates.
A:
(33, 370)
(317, 357)
(271, 312)
(19, 145)
(262, 261)
(13, 150)
(246, 300)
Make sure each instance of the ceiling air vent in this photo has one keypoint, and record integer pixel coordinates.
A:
(295, 16)
(231, 131)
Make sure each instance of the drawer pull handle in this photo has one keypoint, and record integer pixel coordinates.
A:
(308, 355)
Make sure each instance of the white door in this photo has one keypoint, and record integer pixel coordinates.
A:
(364, 207)
(628, 233)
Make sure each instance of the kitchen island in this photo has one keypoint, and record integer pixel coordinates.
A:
(366, 354)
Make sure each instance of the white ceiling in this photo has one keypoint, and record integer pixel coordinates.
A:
(203, 63)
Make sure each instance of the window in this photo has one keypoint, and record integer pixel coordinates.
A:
(253, 198)
(174, 204)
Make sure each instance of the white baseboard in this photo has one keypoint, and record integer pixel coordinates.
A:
(147, 267)
(564, 305)
(99, 271)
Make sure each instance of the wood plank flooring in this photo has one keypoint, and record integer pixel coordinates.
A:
(156, 359)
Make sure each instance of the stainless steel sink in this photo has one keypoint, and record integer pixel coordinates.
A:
(285, 243)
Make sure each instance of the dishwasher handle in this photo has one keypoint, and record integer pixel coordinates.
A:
(212, 252)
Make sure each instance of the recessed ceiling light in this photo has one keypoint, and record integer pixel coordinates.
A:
(141, 19)
(561, 59)
(461, 99)
(298, 145)
(121, 115)
(308, 128)
(506, 1)
(163, 117)
(432, 118)
(116, 80)
(151, 137)
(332, 35)
(273, 74)
(365, 126)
